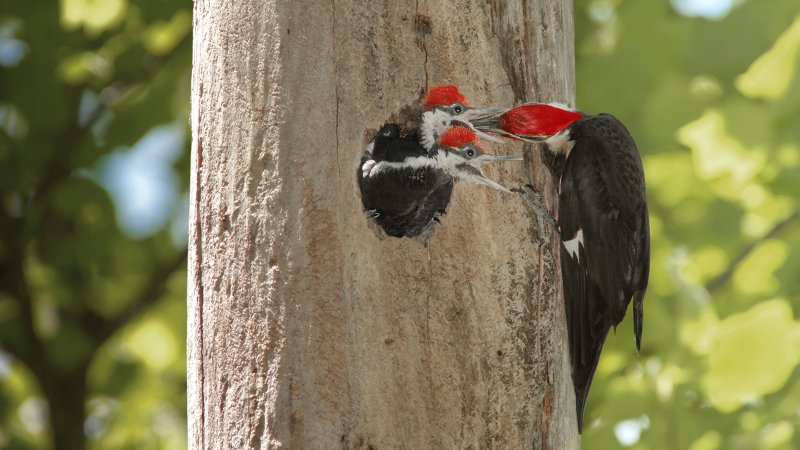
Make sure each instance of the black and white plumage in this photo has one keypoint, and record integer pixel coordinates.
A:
(406, 181)
(406, 187)
(401, 186)
(602, 220)
(604, 226)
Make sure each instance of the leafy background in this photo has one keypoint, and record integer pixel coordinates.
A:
(711, 91)
(93, 180)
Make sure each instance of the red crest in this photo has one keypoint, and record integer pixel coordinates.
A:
(457, 137)
(443, 96)
(537, 119)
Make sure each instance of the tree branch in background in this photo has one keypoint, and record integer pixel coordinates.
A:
(720, 280)
(151, 293)
(58, 168)
(14, 280)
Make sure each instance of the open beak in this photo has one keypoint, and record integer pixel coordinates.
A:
(486, 124)
(468, 118)
(485, 119)
(490, 123)
(475, 169)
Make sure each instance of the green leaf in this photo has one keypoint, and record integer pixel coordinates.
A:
(753, 354)
(771, 74)
(756, 274)
(718, 154)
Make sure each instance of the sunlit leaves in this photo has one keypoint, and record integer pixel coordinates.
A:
(668, 179)
(753, 354)
(81, 79)
(714, 106)
(80, 68)
(161, 37)
(710, 440)
(95, 16)
(153, 343)
(777, 435)
(704, 263)
(718, 155)
(756, 274)
(139, 380)
(770, 75)
(699, 334)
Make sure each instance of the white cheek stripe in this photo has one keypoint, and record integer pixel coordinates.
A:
(370, 168)
(561, 143)
(572, 246)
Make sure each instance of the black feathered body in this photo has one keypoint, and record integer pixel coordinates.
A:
(404, 201)
(604, 227)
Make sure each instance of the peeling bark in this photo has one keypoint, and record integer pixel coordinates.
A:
(308, 328)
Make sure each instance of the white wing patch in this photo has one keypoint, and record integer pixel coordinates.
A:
(573, 245)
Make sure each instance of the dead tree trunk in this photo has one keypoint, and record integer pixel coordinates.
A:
(308, 328)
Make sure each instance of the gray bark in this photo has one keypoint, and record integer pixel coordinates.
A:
(308, 328)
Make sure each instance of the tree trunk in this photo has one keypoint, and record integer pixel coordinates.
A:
(308, 327)
(65, 390)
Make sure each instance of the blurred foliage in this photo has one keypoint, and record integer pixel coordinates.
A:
(92, 316)
(714, 104)
(91, 306)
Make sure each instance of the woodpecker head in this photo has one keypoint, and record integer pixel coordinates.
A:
(445, 106)
(461, 154)
(529, 122)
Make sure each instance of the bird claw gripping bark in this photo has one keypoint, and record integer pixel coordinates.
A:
(534, 199)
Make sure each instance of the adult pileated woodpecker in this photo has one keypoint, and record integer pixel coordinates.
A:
(406, 181)
(602, 219)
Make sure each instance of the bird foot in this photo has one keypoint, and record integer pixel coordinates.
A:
(534, 199)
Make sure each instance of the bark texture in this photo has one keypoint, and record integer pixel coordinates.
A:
(309, 328)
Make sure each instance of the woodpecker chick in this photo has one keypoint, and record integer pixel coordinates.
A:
(445, 106)
(462, 156)
(406, 181)
(602, 219)
(402, 188)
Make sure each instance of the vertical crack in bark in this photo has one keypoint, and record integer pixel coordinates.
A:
(347, 419)
(198, 263)
(428, 297)
(428, 350)
(422, 38)
(336, 91)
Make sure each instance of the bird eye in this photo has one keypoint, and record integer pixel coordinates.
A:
(458, 109)
(470, 152)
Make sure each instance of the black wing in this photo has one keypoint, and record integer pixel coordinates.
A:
(602, 199)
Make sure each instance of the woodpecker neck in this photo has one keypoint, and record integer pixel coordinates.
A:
(561, 143)
(448, 162)
(556, 150)
(432, 124)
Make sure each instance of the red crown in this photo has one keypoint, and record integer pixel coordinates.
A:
(537, 119)
(457, 137)
(443, 96)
